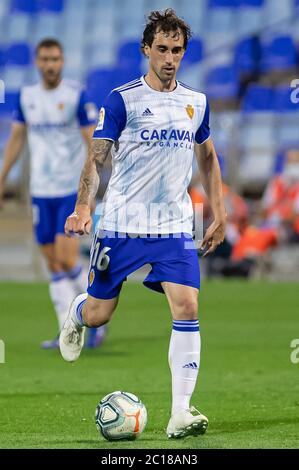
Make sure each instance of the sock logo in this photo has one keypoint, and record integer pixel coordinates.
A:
(190, 365)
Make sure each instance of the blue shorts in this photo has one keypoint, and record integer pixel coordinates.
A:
(113, 259)
(49, 216)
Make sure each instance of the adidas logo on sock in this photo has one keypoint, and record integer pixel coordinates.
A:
(191, 365)
(147, 112)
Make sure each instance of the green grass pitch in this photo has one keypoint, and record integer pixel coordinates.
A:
(248, 386)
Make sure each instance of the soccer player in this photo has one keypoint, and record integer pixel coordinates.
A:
(59, 120)
(152, 125)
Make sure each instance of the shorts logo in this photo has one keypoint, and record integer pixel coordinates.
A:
(100, 125)
(190, 111)
(91, 277)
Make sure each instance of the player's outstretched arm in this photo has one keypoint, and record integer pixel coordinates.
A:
(80, 220)
(211, 181)
(12, 151)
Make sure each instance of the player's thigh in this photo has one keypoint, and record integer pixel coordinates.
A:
(48, 252)
(67, 250)
(99, 311)
(182, 300)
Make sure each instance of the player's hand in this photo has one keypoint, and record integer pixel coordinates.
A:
(79, 221)
(214, 236)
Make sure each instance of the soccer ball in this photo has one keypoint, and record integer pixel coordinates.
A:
(120, 415)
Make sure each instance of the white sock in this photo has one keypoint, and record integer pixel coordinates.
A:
(78, 278)
(62, 294)
(77, 309)
(184, 359)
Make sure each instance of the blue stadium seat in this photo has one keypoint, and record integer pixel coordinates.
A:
(10, 103)
(194, 52)
(258, 98)
(26, 6)
(99, 83)
(253, 3)
(279, 161)
(224, 3)
(283, 102)
(55, 6)
(222, 82)
(18, 54)
(129, 54)
(247, 55)
(2, 56)
(280, 53)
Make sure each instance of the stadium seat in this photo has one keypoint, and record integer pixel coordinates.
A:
(2, 56)
(278, 164)
(224, 3)
(54, 6)
(18, 54)
(247, 55)
(194, 52)
(222, 82)
(129, 54)
(99, 83)
(258, 98)
(253, 3)
(9, 105)
(278, 54)
(26, 6)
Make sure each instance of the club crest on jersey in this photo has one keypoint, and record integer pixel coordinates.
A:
(190, 111)
(100, 125)
(60, 106)
(91, 277)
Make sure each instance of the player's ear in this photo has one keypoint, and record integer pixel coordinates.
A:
(146, 50)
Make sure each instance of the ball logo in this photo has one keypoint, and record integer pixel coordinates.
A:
(100, 125)
(190, 111)
(91, 277)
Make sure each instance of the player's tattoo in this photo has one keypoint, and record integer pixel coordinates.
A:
(90, 176)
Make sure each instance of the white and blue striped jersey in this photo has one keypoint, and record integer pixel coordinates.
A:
(154, 134)
(57, 152)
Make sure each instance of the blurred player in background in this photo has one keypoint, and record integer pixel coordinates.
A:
(153, 126)
(59, 120)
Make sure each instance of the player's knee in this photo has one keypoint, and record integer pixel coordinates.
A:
(67, 264)
(188, 309)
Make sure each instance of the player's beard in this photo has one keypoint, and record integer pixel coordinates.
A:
(52, 78)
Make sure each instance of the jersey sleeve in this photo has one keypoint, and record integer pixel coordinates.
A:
(87, 111)
(203, 132)
(18, 115)
(112, 118)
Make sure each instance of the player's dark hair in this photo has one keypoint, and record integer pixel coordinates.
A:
(48, 42)
(166, 21)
